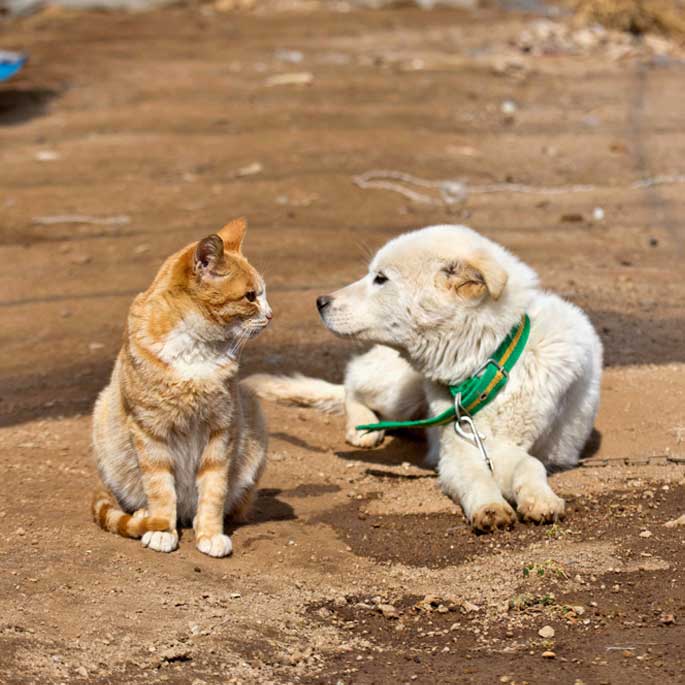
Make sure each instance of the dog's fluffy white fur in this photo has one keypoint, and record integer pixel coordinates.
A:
(437, 302)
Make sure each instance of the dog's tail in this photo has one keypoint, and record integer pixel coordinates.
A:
(109, 516)
(299, 390)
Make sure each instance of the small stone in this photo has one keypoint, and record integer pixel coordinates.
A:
(680, 521)
(548, 655)
(95, 346)
(47, 156)
(388, 610)
(234, 595)
(508, 108)
(547, 632)
(250, 170)
(295, 79)
(598, 214)
(667, 619)
(646, 534)
(81, 670)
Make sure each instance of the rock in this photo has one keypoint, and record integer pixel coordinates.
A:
(81, 670)
(598, 214)
(508, 108)
(250, 170)
(547, 632)
(299, 78)
(680, 521)
(388, 610)
(468, 607)
(174, 653)
(646, 534)
(667, 619)
(47, 156)
(548, 655)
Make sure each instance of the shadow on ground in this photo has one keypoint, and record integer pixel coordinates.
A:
(18, 105)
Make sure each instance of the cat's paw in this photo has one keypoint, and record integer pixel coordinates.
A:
(540, 506)
(492, 516)
(160, 540)
(366, 439)
(215, 546)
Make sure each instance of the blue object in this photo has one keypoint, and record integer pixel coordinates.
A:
(10, 63)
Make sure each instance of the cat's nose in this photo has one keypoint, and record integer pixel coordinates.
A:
(323, 301)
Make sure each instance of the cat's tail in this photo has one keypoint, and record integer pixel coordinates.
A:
(299, 390)
(109, 516)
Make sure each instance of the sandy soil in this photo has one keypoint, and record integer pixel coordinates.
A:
(355, 568)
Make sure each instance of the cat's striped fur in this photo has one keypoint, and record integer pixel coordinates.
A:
(176, 438)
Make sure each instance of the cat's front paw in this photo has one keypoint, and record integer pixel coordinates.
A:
(215, 546)
(161, 540)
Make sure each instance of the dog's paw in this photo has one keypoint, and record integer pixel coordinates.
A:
(215, 546)
(363, 438)
(540, 506)
(160, 541)
(492, 516)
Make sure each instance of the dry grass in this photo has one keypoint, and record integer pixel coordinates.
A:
(635, 16)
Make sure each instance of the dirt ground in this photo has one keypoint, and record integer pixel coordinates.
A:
(355, 568)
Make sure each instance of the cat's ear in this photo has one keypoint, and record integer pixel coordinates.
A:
(233, 233)
(208, 252)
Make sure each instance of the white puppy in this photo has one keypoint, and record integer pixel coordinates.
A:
(438, 302)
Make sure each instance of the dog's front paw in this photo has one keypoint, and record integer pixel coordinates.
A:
(366, 439)
(492, 516)
(161, 540)
(215, 546)
(540, 506)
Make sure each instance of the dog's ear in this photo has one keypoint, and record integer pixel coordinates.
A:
(233, 233)
(473, 278)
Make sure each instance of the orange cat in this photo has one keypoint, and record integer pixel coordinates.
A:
(176, 437)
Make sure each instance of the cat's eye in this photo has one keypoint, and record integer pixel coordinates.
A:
(380, 279)
(250, 295)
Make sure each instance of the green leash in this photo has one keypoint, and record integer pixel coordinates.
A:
(476, 392)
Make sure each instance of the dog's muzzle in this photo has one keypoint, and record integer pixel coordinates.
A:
(322, 302)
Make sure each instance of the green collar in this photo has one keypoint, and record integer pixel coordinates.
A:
(476, 392)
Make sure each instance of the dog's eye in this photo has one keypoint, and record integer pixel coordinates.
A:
(250, 295)
(380, 279)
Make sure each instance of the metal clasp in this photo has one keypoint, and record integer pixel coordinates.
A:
(465, 428)
(498, 366)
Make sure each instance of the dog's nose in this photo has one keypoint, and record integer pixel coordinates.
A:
(323, 301)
